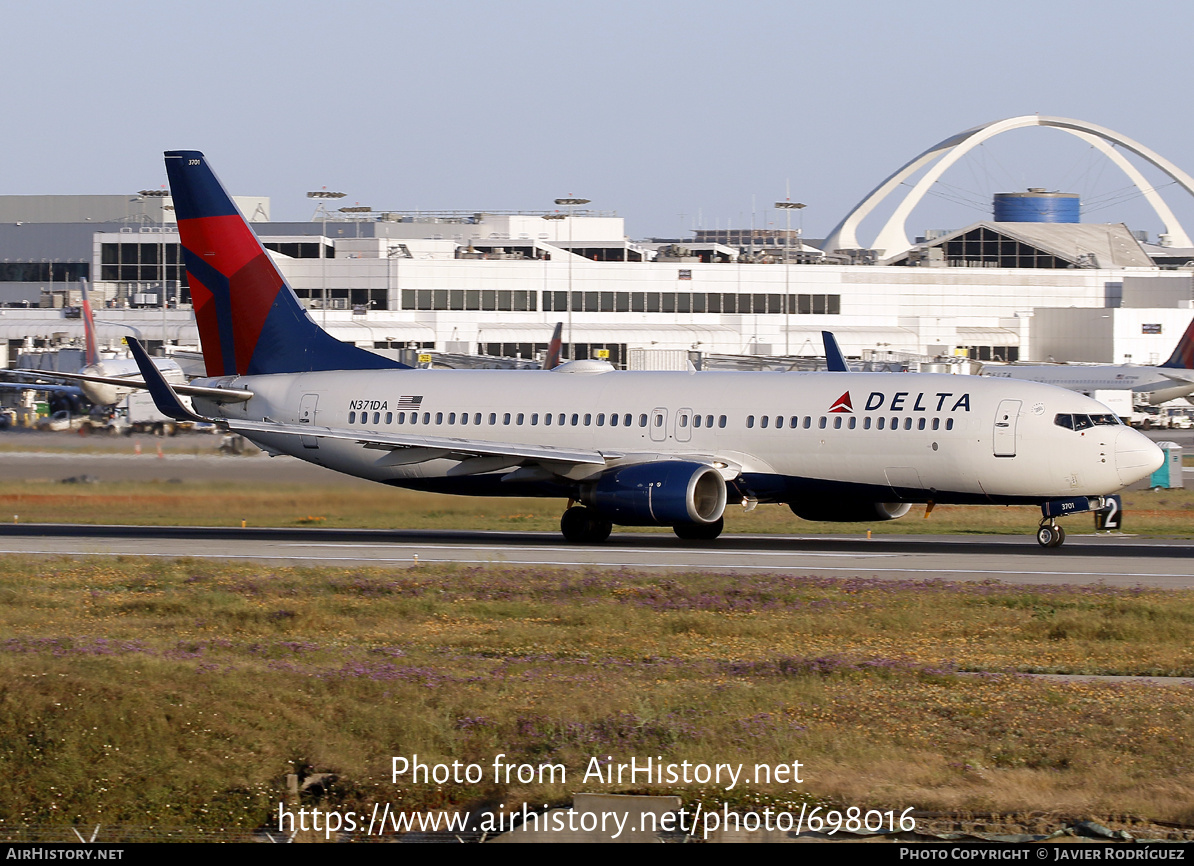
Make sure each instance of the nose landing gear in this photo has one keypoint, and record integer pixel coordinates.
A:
(1049, 534)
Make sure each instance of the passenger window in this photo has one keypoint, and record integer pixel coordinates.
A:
(451, 417)
(721, 421)
(492, 418)
(476, 417)
(779, 422)
(879, 424)
(613, 419)
(821, 422)
(401, 417)
(521, 418)
(920, 425)
(642, 420)
(575, 419)
(659, 420)
(866, 423)
(506, 418)
(547, 418)
(949, 424)
(560, 420)
(908, 423)
(426, 417)
(683, 420)
(696, 420)
(600, 419)
(936, 423)
(352, 417)
(588, 419)
(837, 423)
(439, 417)
(534, 419)
(808, 421)
(389, 417)
(626, 419)
(464, 417)
(853, 422)
(895, 423)
(763, 422)
(750, 421)
(794, 421)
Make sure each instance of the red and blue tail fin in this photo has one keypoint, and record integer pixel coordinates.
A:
(250, 321)
(91, 352)
(1183, 355)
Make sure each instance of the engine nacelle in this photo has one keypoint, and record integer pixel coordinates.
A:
(665, 493)
(849, 510)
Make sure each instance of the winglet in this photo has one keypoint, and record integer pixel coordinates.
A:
(163, 395)
(835, 361)
(553, 348)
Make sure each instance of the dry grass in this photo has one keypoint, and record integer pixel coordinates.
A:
(1166, 513)
(181, 693)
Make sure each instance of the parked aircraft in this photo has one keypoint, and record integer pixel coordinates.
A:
(1173, 379)
(628, 448)
(107, 381)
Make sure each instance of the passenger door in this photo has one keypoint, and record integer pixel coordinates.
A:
(1005, 428)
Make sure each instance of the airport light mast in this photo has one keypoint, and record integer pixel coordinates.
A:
(787, 206)
(322, 213)
(571, 204)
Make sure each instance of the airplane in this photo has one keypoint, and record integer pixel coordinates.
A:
(107, 381)
(1168, 381)
(621, 447)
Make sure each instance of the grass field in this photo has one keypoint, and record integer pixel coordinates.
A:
(182, 693)
(1165, 513)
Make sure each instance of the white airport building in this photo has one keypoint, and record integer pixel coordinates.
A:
(1034, 283)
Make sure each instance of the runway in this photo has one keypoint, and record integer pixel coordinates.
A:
(1120, 561)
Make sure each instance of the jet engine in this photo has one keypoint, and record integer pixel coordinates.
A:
(665, 493)
(849, 510)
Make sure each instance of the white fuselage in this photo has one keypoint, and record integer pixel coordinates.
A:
(1157, 384)
(106, 394)
(896, 436)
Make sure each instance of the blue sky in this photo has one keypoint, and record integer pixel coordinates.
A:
(672, 114)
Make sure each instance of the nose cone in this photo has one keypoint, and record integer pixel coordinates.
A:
(1136, 456)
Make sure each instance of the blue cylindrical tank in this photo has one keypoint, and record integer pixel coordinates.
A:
(1037, 206)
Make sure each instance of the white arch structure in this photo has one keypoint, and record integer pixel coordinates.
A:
(893, 237)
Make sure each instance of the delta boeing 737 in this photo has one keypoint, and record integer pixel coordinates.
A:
(625, 448)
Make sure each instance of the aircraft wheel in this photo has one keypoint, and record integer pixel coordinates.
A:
(699, 531)
(1050, 536)
(581, 526)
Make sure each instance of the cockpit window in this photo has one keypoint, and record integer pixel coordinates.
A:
(1084, 422)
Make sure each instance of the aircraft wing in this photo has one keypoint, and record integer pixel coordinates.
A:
(217, 395)
(30, 386)
(538, 461)
(443, 446)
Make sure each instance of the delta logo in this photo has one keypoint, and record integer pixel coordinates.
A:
(842, 404)
(921, 402)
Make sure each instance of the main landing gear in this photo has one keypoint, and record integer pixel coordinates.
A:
(699, 531)
(582, 525)
(1049, 534)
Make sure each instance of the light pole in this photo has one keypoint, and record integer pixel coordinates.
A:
(160, 193)
(571, 204)
(322, 212)
(787, 206)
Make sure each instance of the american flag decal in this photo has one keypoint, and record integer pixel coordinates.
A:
(410, 402)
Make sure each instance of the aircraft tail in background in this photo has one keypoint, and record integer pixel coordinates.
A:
(1183, 355)
(250, 321)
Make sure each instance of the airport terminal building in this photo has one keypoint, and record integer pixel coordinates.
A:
(1033, 283)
